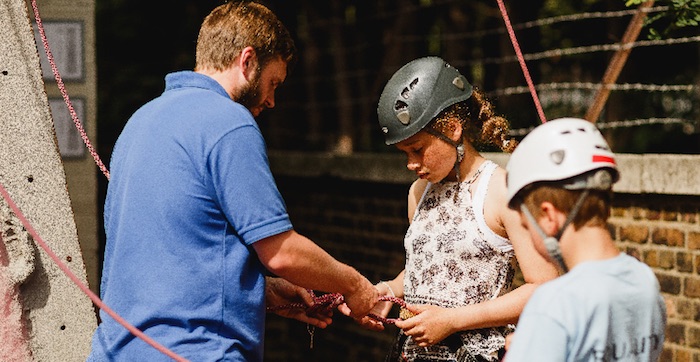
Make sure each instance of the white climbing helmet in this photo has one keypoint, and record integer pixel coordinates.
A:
(561, 150)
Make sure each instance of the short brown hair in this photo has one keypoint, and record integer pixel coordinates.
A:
(594, 211)
(231, 27)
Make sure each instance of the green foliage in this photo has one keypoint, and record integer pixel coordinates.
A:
(680, 14)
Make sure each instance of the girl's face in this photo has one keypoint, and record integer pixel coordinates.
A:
(429, 157)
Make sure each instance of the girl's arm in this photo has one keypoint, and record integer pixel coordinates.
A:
(433, 324)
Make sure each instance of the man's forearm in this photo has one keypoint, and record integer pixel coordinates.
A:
(302, 262)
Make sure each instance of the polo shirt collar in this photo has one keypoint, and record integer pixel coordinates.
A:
(190, 79)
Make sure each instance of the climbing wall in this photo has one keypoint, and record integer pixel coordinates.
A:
(44, 316)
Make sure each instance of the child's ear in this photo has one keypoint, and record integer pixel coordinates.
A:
(551, 218)
(456, 129)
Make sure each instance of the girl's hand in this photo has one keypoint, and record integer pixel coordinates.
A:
(430, 325)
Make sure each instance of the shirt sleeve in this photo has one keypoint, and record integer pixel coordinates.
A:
(245, 187)
(538, 338)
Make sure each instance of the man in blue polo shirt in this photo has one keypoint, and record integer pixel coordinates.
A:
(193, 217)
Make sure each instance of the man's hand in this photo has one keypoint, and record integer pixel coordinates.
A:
(279, 292)
(360, 303)
(362, 300)
(380, 309)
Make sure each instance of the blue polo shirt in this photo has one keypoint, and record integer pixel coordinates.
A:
(190, 192)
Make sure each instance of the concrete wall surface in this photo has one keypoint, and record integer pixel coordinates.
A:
(59, 319)
(77, 54)
(641, 174)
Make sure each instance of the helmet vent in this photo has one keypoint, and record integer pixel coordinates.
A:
(406, 93)
(459, 83)
(404, 117)
(401, 109)
(400, 105)
(557, 156)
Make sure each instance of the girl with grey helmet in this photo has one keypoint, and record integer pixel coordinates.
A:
(463, 239)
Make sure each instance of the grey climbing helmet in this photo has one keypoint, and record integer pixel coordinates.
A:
(416, 94)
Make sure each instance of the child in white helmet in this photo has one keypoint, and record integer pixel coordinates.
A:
(607, 307)
(463, 240)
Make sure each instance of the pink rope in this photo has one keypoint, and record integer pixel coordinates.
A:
(64, 93)
(521, 60)
(328, 302)
(95, 299)
(325, 302)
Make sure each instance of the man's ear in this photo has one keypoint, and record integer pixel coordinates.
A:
(248, 62)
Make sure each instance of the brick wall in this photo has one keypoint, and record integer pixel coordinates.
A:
(359, 223)
(664, 232)
(355, 208)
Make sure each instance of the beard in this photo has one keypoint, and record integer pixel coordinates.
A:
(249, 96)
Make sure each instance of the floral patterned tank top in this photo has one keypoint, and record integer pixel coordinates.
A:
(454, 259)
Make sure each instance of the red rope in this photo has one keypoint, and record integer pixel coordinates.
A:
(64, 93)
(324, 303)
(330, 301)
(521, 60)
(95, 299)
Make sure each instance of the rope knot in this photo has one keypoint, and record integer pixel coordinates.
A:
(325, 303)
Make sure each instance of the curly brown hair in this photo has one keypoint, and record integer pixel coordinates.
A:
(482, 126)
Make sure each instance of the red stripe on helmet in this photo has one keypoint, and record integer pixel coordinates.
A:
(601, 158)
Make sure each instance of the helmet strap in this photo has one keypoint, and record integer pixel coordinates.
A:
(552, 242)
(460, 157)
(459, 146)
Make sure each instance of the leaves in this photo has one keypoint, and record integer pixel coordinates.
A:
(680, 14)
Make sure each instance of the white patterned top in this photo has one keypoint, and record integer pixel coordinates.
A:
(454, 259)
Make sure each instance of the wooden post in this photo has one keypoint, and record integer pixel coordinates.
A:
(618, 61)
